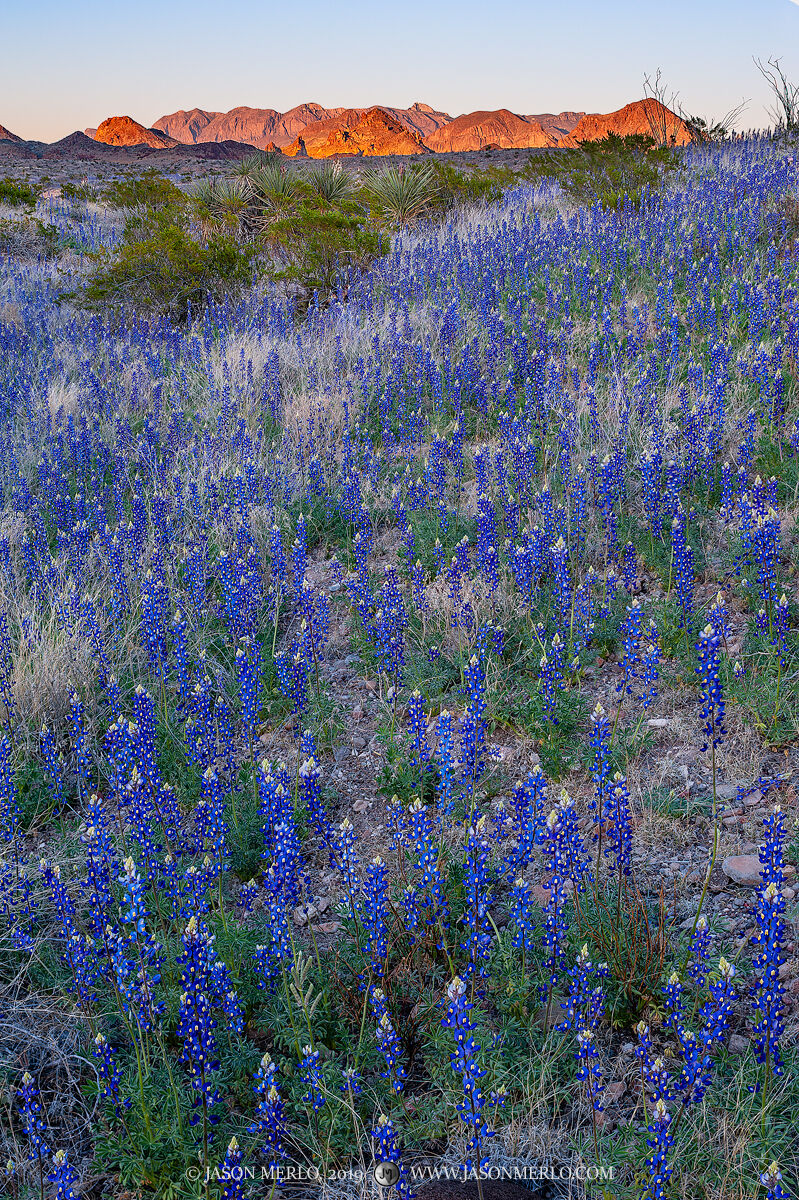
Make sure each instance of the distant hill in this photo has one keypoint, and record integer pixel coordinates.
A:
(557, 125)
(7, 136)
(638, 117)
(262, 126)
(370, 133)
(124, 131)
(484, 129)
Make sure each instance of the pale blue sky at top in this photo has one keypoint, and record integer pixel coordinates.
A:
(67, 64)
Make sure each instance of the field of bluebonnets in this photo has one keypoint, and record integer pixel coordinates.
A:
(384, 683)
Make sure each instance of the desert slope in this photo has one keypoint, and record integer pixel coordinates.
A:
(478, 130)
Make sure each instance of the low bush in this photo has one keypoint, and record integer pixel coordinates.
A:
(163, 266)
(15, 193)
(149, 189)
(614, 171)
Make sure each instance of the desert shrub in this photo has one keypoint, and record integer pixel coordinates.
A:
(149, 189)
(613, 171)
(163, 266)
(15, 193)
(315, 241)
(471, 187)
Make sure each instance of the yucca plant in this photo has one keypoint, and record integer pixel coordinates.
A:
(403, 195)
(331, 183)
(255, 161)
(221, 201)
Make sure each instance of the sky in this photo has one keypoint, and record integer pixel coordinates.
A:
(68, 64)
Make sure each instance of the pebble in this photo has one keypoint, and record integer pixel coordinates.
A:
(729, 791)
(743, 869)
(658, 722)
(738, 1044)
(352, 659)
(359, 742)
(789, 893)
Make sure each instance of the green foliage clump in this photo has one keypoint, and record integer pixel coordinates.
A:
(164, 266)
(18, 194)
(478, 186)
(313, 242)
(149, 189)
(612, 172)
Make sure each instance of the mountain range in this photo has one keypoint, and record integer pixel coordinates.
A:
(312, 131)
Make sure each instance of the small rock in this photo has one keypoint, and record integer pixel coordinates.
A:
(752, 800)
(737, 1044)
(728, 791)
(352, 659)
(794, 987)
(789, 893)
(357, 713)
(359, 743)
(658, 722)
(361, 805)
(743, 869)
(299, 916)
(328, 927)
(615, 1089)
(730, 822)
(785, 971)
(340, 753)
(323, 904)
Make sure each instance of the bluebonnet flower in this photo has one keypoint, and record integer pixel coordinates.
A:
(446, 764)
(310, 1075)
(311, 797)
(52, 769)
(63, 1176)
(464, 1062)
(231, 1173)
(387, 1151)
(551, 679)
(9, 806)
(618, 824)
(771, 1179)
(521, 915)
(109, 1072)
(32, 1123)
(351, 1082)
(683, 566)
(388, 1043)
(417, 722)
(196, 1024)
(709, 665)
(577, 1005)
(374, 914)
(698, 952)
(249, 669)
(600, 769)
(588, 1071)
(769, 991)
(479, 892)
(659, 1143)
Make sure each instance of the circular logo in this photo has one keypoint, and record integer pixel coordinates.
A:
(386, 1174)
